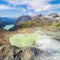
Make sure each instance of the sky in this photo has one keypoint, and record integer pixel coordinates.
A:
(16, 8)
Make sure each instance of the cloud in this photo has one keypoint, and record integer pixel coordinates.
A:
(31, 13)
(20, 9)
(37, 5)
(54, 9)
(4, 7)
(8, 7)
(18, 2)
(55, 6)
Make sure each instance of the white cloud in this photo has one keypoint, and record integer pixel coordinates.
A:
(23, 9)
(30, 13)
(18, 2)
(36, 5)
(20, 9)
(55, 6)
(4, 7)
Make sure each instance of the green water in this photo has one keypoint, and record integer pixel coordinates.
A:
(23, 40)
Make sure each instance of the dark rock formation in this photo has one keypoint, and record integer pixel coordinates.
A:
(2, 24)
(23, 18)
(14, 28)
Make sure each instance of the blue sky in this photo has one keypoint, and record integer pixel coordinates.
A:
(15, 8)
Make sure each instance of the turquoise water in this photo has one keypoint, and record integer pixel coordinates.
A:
(7, 27)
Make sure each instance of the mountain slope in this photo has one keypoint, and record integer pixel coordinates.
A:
(2, 24)
(23, 18)
(6, 21)
(37, 21)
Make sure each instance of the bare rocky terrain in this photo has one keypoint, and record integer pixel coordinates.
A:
(48, 30)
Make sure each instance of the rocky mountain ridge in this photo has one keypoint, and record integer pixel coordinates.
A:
(38, 20)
